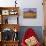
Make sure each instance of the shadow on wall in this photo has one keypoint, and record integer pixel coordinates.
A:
(37, 29)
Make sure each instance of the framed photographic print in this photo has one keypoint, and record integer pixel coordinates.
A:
(12, 12)
(30, 12)
(5, 12)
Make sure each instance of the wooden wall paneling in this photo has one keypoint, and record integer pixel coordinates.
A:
(44, 6)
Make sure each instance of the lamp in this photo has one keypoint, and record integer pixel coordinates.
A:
(15, 3)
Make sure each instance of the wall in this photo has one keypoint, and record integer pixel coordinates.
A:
(7, 3)
(32, 4)
(27, 4)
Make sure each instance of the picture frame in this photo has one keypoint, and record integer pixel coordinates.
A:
(29, 12)
(12, 12)
(5, 12)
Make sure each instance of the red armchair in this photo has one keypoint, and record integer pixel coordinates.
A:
(30, 34)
